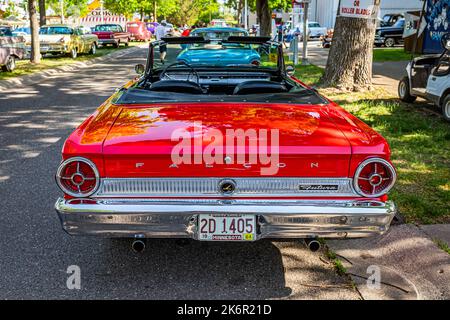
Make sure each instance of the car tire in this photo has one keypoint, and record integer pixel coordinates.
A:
(93, 49)
(116, 44)
(404, 92)
(10, 64)
(127, 43)
(446, 108)
(73, 53)
(389, 42)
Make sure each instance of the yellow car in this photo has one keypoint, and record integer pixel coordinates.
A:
(64, 39)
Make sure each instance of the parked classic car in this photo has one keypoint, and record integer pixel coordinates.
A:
(151, 26)
(390, 19)
(315, 30)
(139, 31)
(218, 52)
(11, 49)
(5, 31)
(22, 31)
(112, 34)
(64, 39)
(390, 36)
(429, 77)
(223, 153)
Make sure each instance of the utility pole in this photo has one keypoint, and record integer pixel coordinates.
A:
(295, 22)
(102, 13)
(246, 14)
(61, 4)
(210, 14)
(305, 32)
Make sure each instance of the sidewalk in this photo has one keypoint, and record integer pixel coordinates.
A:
(39, 76)
(411, 265)
(385, 74)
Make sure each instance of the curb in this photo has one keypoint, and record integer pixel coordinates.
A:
(42, 75)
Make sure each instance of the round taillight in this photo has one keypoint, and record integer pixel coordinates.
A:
(374, 177)
(255, 63)
(78, 177)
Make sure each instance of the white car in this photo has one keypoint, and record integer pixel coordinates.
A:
(314, 30)
(429, 77)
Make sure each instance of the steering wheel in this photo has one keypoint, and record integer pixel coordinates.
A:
(192, 71)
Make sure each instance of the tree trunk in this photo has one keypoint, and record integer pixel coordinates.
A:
(349, 65)
(34, 25)
(264, 17)
(42, 15)
(239, 10)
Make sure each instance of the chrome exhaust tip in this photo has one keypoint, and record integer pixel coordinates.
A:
(313, 245)
(138, 246)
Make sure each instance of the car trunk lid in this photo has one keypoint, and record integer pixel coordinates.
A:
(153, 141)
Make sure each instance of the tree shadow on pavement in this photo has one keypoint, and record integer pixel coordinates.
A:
(34, 122)
(195, 270)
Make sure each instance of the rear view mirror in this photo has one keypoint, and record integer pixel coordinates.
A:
(446, 41)
(140, 69)
(290, 70)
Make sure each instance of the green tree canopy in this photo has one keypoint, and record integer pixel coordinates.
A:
(143, 7)
(179, 12)
(71, 7)
(273, 4)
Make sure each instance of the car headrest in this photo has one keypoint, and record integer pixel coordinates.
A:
(178, 86)
(259, 86)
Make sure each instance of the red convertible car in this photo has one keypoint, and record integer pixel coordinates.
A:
(215, 152)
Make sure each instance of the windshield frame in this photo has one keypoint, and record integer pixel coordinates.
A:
(400, 23)
(150, 70)
(67, 30)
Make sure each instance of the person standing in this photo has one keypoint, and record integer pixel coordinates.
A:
(280, 32)
(161, 32)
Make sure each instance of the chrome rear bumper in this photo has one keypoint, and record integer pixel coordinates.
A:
(178, 218)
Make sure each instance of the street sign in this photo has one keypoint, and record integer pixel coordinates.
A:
(365, 9)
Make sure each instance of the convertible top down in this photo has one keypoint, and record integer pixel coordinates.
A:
(220, 151)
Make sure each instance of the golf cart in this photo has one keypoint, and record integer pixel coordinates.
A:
(429, 77)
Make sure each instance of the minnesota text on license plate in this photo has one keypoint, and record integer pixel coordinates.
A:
(226, 227)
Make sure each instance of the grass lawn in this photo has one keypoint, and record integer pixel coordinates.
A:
(309, 74)
(420, 144)
(390, 54)
(24, 67)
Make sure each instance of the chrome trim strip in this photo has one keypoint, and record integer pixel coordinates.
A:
(209, 187)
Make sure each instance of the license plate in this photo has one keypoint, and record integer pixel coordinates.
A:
(226, 227)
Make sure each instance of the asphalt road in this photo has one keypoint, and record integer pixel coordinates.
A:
(35, 253)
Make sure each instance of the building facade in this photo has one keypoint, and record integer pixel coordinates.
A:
(325, 11)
